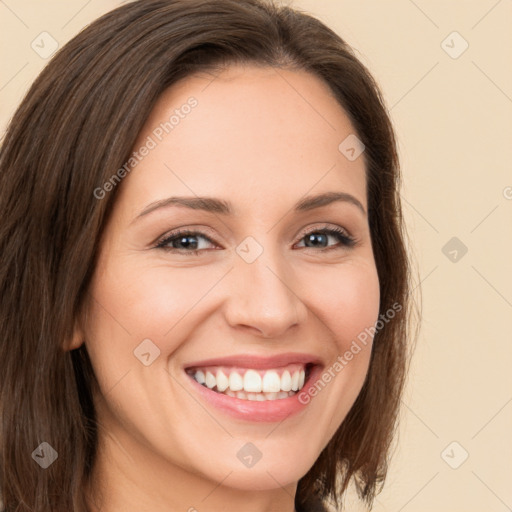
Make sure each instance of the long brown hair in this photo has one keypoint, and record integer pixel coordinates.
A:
(75, 128)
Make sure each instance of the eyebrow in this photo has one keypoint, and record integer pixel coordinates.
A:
(220, 206)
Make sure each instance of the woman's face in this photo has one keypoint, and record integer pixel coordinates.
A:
(252, 293)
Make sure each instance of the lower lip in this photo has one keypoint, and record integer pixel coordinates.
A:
(252, 410)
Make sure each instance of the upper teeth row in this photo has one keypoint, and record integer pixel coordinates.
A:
(252, 382)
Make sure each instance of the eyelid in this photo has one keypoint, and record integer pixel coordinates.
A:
(325, 226)
(190, 229)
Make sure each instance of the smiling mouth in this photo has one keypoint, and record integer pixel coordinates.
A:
(253, 384)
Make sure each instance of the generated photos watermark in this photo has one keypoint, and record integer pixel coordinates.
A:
(342, 360)
(151, 142)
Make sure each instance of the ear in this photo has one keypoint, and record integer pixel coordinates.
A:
(75, 342)
(77, 339)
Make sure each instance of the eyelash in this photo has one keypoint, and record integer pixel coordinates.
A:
(341, 235)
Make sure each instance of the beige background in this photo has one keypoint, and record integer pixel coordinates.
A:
(453, 118)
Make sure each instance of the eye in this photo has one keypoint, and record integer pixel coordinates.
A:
(183, 241)
(317, 238)
(189, 242)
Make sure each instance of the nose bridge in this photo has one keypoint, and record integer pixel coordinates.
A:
(262, 296)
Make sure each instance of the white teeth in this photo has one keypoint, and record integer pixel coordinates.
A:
(286, 381)
(254, 385)
(295, 381)
(222, 381)
(302, 377)
(252, 381)
(210, 380)
(271, 382)
(199, 376)
(236, 382)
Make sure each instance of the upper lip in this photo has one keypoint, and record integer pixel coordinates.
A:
(258, 361)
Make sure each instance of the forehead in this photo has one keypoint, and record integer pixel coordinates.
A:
(253, 133)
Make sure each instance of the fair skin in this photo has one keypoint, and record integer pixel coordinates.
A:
(262, 145)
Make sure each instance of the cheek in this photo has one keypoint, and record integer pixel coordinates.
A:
(346, 300)
(148, 299)
(132, 303)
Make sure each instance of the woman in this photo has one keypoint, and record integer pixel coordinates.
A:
(204, 286)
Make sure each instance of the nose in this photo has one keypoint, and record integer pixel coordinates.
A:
(262, 298)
